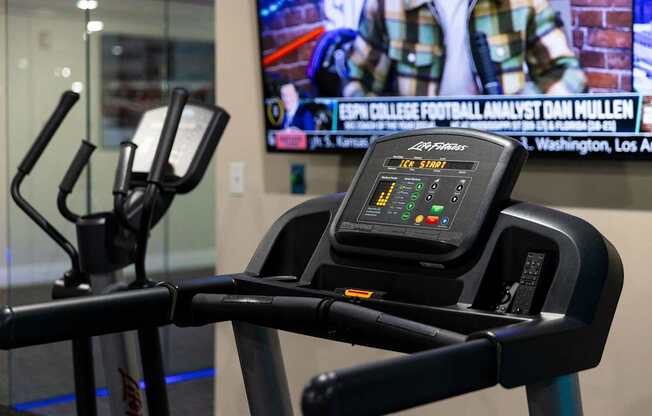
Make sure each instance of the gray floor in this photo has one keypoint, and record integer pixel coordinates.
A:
(42, 372)
(189, 398)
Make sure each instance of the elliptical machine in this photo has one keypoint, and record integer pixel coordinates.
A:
(172, 159)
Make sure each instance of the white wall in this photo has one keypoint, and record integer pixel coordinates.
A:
(45, 36)
(616, 197)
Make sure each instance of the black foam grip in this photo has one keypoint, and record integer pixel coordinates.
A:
(309, 315)
(66, 102)
(403, 382)
(168, 134)
(78, 164)
(125, 165)
(61, 320)
(485, 65)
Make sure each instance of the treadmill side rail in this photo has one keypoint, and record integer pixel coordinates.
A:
(403, 382)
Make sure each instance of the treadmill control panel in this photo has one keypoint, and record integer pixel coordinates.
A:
(430, 201)
(426, 194)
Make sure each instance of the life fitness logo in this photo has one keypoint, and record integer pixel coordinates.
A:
(439, 146)
(131, 394)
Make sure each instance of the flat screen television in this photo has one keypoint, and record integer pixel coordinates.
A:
(567, 78)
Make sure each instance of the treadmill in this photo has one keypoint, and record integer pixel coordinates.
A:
(426, 254)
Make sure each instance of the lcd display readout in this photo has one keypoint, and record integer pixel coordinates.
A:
(403, 163)
(382, 194)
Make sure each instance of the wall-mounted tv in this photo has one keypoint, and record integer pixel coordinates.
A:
(568, 78)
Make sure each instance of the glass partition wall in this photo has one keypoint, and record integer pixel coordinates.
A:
(123, 57)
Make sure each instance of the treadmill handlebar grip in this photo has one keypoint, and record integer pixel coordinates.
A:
(168, 134)
(66, 102)
(265, 310)
(78, 164)
(61, 320)
(379, 325)
(401, 383)
(125, 166)
(309, 315)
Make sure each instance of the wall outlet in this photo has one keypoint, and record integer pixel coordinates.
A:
(237, 178)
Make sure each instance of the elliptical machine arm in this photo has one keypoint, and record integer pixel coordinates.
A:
(122, 180)
(74, 282)
(155, 179)
(66, 102)
(69, 181)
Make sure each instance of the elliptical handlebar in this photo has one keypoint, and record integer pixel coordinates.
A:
(168, 134)
(123, 180)
(71, 177)
(403, 382)
(125, 167)
(154, 178)
(148, 337)
(66, 102)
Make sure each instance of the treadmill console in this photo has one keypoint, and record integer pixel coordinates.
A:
(426, 194)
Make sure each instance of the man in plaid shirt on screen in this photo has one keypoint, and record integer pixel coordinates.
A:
(422, 48)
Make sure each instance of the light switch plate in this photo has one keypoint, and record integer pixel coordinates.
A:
(237, 178)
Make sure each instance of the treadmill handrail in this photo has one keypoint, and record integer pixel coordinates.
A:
(403, 382)
(322, 316)
(61, 320)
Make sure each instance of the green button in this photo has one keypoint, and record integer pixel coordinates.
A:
(418, 186)
(410, 206)
(405, 216)
(414, 196)
(436, 209)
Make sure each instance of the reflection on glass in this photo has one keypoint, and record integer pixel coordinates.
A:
(123, 57)
(132, 69)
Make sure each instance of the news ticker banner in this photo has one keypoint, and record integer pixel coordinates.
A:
(584, 125)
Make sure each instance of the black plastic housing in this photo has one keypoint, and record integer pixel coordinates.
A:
(201, 159)
(567, 334)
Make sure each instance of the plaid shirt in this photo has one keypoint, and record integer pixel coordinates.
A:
(400, 43)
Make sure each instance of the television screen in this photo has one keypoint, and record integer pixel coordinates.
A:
(566, 78)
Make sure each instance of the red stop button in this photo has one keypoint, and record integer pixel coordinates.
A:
(432, 219)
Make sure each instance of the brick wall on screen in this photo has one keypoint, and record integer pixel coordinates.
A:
(602, 38)
(293, 21)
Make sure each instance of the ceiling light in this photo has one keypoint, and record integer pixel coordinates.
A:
(87, 4)
(94, 26)
(77, 87)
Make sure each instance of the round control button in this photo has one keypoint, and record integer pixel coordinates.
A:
(410, 206)
(414, 196)
(454, 199)
(405, 216)
(434, 186)
(459, 187)
(418, 186)
(419, 219)
(429, 197)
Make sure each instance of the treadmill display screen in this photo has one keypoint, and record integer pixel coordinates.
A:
(382, 194)
(429, 164)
